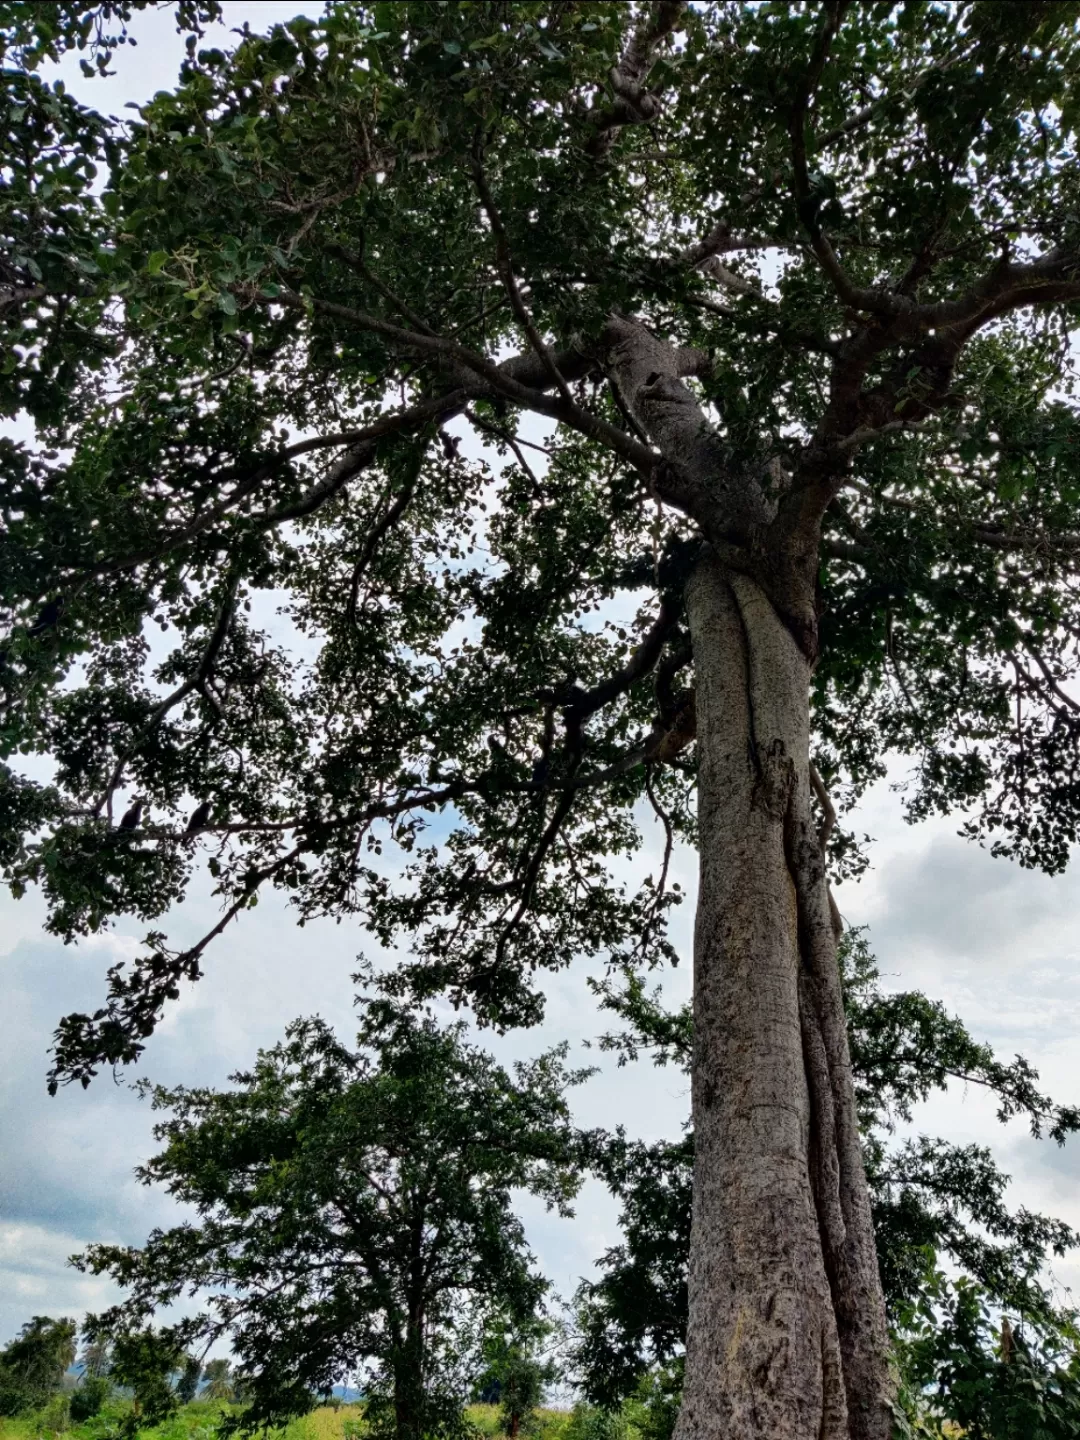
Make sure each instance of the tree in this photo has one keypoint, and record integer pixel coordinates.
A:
(934, 1203)
(219, 1380)
(187, 1384)
(95, 1383)
(791, 287)
(148, 1363)
(32, 1366)
(353, 1207)
(516, 1369)
(96, 1358)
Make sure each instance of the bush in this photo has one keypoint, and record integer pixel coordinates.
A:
(56, 1416)
(590, 1422)
(88, 1398)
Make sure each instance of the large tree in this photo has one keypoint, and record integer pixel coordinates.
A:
(354, 1216)
(790, 288)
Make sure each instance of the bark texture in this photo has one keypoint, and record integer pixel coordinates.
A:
(787, 1337)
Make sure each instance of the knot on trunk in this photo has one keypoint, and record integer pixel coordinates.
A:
(775, 778)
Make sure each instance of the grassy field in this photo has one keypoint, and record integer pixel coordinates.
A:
(199, 1421)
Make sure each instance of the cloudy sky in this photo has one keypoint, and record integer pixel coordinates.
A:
(998, 945)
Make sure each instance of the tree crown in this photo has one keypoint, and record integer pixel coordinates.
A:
(796, 281)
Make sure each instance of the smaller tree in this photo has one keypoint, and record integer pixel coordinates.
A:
(33, 1366)
(187, 1382)
(95, 1382)
(518, 1366)
(146, 1362)
(96, 1357)
(354, 1209)
(218, 1377)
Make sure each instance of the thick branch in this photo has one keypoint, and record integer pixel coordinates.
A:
(499, 378)
(633, 104)
(586, 702)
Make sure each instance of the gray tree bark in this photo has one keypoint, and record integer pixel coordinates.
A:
(787, 1337)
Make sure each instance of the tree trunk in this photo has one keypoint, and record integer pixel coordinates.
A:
(409, 1387)
(407, 1406)
(787, 1336)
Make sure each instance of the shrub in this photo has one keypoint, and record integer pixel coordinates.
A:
(88, 1398)
(591, 1422)
(56, 1416)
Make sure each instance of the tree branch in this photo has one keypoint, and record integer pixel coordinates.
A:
(506, 273)
(499, 378)
(198, 681)
(633, 104)
(586, 702)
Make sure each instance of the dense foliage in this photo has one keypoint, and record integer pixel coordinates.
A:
(33, 1365)
(354, 1218)
(237, 363)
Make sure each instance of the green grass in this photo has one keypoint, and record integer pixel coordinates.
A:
(199, 1421)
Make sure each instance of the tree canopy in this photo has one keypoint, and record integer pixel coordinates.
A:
(238, 320)
(354, 1216)
(33, 1364)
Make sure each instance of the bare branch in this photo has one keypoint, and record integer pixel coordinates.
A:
(828, 809)
(586, 702)
(721, 241)
(871, 432)
(382, 526)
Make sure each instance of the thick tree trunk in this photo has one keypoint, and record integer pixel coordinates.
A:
(787, 1337)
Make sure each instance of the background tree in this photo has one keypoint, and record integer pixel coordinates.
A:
(33, 1366)
(792, 287)
(218, 1380)
(187, 1384)
(151, 1364)
(518, 1367)
(96, 1357)
(936, 1204)
(95, 1385)
(353, 1207)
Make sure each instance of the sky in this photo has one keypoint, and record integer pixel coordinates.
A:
(997, 944)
